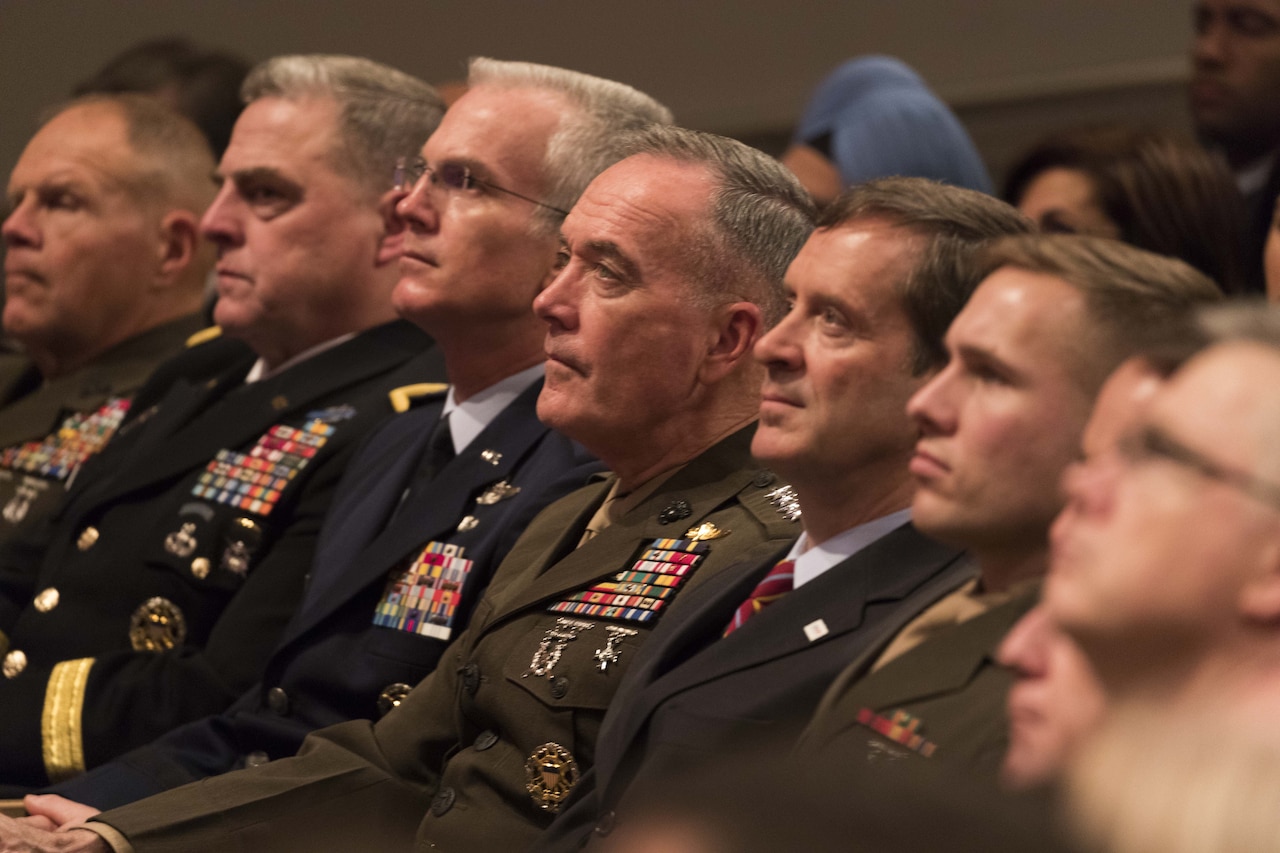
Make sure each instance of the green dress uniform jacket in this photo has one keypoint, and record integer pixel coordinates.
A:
(49, 429)
(480, 755)
(950, 689)
(181, 552)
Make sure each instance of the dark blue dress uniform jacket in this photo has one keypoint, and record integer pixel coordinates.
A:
(77, 690)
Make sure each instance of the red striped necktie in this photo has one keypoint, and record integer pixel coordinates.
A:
(773, 586)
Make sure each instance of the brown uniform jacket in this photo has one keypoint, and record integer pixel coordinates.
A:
(480, 754)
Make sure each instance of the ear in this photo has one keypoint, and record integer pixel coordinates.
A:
(392, 243)
(179, 242)
(1260, 596)
(741, 323)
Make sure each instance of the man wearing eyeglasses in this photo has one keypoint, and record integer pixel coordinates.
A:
(1165, 568)
(1028, 354)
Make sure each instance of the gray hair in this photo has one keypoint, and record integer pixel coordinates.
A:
(760, 216)
(953, 223)
(590, 138)
(385, 114)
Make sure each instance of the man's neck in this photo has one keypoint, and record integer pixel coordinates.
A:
(478, 358)
(678, 441)
(1000, 570)
(831, 507)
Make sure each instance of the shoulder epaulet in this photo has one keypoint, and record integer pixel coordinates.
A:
(203, 336)
(402, 398)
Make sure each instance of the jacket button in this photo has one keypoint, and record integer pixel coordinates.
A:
(559, 686)
(47, 599)
(87, 538)
(606, 823)
(391, 697)
(485, 739)
(471, 679)
(278, 700)
(257, 758)
(442, 801)
(14, 663)
(764, 478)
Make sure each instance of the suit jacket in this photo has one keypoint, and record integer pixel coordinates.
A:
(333, 663)
(488, 744)
(48, 429)
(692, 695)
(179, 554)
(950, 684)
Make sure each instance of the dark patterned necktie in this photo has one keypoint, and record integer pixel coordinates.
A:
(779, 581)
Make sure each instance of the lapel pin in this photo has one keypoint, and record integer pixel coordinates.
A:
(675, 511)
(816, 630)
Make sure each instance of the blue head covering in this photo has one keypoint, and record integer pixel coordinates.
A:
(883, 120)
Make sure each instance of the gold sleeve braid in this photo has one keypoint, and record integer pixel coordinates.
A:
(62, 724)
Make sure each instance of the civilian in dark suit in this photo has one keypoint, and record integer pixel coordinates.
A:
(180, 553)
(871, 293)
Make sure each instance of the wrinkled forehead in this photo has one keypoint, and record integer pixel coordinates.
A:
(501, 131)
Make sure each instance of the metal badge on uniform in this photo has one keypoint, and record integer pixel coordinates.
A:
(551, 648)
(182, 543)
(333, 414)
(20, 504)
(704, 531)
(638, 594)
(493, 457)
(157, 626)
(786, 502)
(675, 511)
(423, 597)
(550, 774)
(610, 653)
(14, 663)
(900, 727)
(255, 481)
(469, 522)
(499, 491)
(242, 542)
(58, 455)
(391, 697)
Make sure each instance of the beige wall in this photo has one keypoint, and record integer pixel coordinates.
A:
(1014, 68)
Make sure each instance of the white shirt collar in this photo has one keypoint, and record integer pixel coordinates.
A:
(469, 418)
(817, 559)
(259, 370)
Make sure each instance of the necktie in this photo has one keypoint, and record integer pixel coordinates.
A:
(773, 586)
(439, 450)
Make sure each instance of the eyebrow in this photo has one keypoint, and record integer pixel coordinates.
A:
(972, 354)
(609, 250)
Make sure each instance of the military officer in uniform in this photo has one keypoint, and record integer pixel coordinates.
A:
(669, 265)
(476, 462)
(1053, 316)
(104, 273)
(180, 552)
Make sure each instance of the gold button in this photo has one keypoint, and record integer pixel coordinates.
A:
(200, 567)
(157, 626)
(14, 663)
(88, 537)
(47, 599)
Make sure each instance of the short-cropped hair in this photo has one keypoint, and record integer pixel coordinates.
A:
(1133, 298)
(174, 162)
(758, 219)
(591, 134)
(952, 223)
(385, 114)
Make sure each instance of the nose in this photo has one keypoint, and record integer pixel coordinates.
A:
(779, 348)
(19, 228)
(1087, 485)
(933, 407)
(221, 223)
(416, 208)
(557, 303)
(1209, 46)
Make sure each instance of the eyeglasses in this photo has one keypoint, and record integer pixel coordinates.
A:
(1153, 443)
(451, 176)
